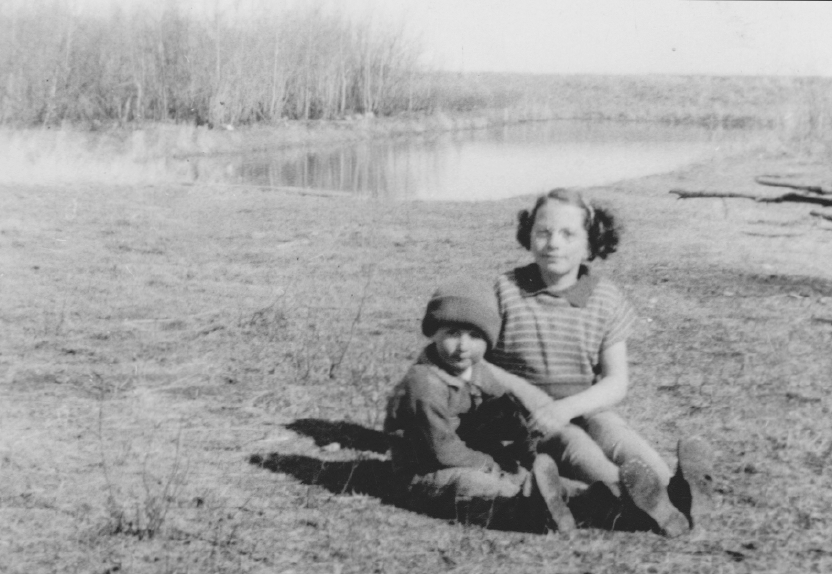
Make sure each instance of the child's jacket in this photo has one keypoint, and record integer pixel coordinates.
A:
(437, 420)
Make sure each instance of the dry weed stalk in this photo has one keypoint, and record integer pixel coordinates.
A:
(145, 517)
(346, 344)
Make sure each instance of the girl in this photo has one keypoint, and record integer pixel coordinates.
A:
(565, 330)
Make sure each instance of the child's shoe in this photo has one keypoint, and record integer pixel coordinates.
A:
(596, 507)
(547, 478)
(644, 490)
(691, 488)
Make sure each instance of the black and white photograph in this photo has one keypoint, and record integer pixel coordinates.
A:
(415, 286)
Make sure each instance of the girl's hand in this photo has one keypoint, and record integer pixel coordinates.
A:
(551, 418)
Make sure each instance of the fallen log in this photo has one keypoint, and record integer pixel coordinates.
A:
(688, 194)
(793, 197)
(822, 215)
(775, 181)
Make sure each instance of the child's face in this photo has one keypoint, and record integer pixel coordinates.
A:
(459, 346)
(559, 240)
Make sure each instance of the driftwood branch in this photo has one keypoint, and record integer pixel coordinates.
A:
(691, 194)
(793, 197)
(822, 215)
(776, 181)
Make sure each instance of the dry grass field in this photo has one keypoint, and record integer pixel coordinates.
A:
(192, 378)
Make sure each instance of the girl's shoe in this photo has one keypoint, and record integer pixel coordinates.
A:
(691, 488)
(644, 491)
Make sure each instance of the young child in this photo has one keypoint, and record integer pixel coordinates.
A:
(565, 329)
(451, 415)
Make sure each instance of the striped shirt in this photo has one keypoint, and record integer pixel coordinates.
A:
(554, 339)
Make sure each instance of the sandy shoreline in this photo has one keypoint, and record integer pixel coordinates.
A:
(773, 238)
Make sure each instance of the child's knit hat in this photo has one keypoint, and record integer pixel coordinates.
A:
(466, 302)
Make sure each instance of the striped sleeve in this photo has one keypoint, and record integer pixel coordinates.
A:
(622, 319)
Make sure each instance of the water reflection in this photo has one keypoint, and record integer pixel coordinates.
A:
(485, 164)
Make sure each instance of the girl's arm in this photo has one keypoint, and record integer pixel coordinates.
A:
(530, 396)
(610, 390)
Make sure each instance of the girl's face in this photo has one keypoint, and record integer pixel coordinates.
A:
(459, 346)
(559, 242)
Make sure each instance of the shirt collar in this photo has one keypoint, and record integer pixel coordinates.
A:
(430, 357)
(531, 284)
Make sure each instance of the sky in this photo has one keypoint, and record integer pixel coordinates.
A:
(622, 36)
(592, 36)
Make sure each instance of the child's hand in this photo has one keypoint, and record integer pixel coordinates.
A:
(491, 468)
(520, 476)
(550, 418)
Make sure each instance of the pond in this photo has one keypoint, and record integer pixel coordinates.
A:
(485, 164)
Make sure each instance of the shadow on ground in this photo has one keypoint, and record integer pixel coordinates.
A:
(366, 473)
(361, 475)
(347, 434)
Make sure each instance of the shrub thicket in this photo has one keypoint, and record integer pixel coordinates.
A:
(164, 64)
(59, 65)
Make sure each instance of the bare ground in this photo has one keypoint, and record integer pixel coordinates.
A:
(192, 378)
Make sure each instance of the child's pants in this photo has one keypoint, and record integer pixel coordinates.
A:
(593, 448)
(500, 501)
(474, 497)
